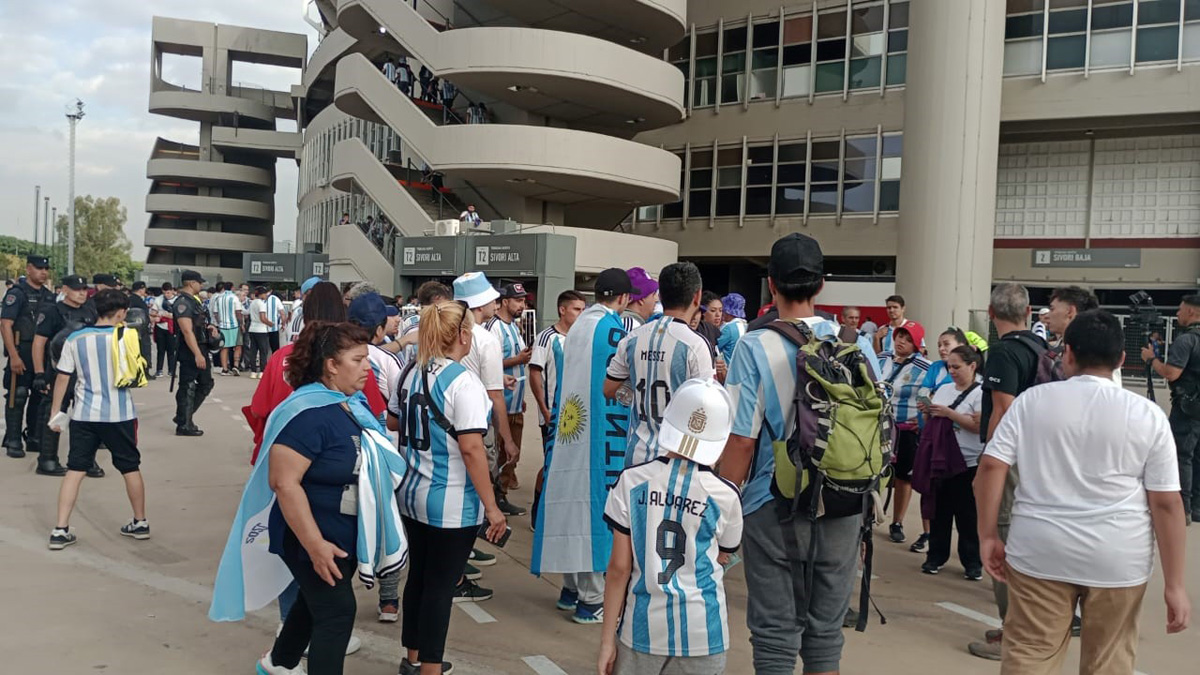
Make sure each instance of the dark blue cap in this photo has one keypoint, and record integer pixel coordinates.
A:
(367, 310)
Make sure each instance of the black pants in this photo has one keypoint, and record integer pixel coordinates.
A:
(260, 351)
(166, 348)
(322, 619)
(189, 374)
(955, 506)
(273, 340)
(1186, 431)
(435, 564)
(21, 406)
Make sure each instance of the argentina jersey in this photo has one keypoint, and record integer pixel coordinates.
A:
(88, 354)
(730, 334)
(907, 379)
(679, 517)
(548, 355)
(436, 489)
(227, 310)
(655, 359)
(274, 312)
(511, 344)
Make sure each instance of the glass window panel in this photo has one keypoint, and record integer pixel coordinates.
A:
(866, 20)
(1191, 42)
(1023, 58)
(731, 156)
(797, 29)
(896, 68)
(758, 174)
(889, 195)
(758, 201)
(823, 199)
(831, 24)
(1111, 48)
(734, 62)
(858, 170)
(729, 202)
(1112, 16)
(735, 39)
(1066, 52)
(860, 148)
(892, 145)
(1067, 4)
(793, 152)
(1025, 25)
(732, 87)
(729, 177)
(898, 15)
(766, 34)
(1071, 21)
(706, 44)
(1158, 44)
(1157, 11)
(891, 168)
(706, 67)
(825, 150)
(858, 197)
(701, 158)
(796, 80)
(698, 204)
(797, 55)
(867, 45)
(831, 50)
(704, 92)
(760, 154)
(789, 199)
(764, 58)
(824, 172)
(830, 76)
(791, 173)
(674, 210)
(1020, 6)
(701, 178)
(897, 41)
(679, 51)
(762, 84)
(865, 73)
(1191, 10)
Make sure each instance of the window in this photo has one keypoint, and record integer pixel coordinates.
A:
(760, 172)
(789, 196)
(1112, 33)
(704, 91)
(679, 56)
(889, 173)
(764, 61)
(729, 181)
(831, 51)
(797, 55)
(824, 184)
(1157, 31)
(1191, 30)
(858, 175)
(733, 65)
(897, 43)
(700, 185)
(867, 44)
(1066, 45)
(1023, 37)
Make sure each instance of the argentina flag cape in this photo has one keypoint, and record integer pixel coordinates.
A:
(589, 452)
(250, 576)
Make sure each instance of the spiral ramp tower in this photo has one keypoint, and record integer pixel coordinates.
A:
(566, 97)
(213, 201)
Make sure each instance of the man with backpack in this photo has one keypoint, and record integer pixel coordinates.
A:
(793, 540)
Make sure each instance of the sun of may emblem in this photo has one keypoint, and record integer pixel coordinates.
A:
(697, 421)
(572, 420)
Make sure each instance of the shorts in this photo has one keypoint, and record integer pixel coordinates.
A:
(630, 662)
(906, 452)
(119, 437)
(230, 336)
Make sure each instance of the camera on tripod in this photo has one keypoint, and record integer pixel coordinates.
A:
(1144, 317)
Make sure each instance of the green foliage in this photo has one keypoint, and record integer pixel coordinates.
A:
(100, 242)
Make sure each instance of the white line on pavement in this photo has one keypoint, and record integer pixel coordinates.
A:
(226, 408)
(543, 666)
(217, 400)
(246, 427)
(476, 612)
(984, 619)
(235, 417)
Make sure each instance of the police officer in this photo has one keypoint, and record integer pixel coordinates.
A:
(1181, 370)
(54, 323)
(195, 369)
(18, 320)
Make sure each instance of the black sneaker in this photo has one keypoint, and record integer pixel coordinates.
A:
(930, 568)
(973, 575)
(481, 559)
(235, 372)
(896, 531)
(407, 668)
(469, 591)
(60, 538)
(188, 431)
(138, 529)
(472, 573)
(509, 509)
(919, 545)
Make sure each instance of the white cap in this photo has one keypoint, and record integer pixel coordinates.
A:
(697, 421)
(474, 289)
(1044, 310)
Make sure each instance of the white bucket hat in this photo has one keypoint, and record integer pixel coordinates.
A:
(474, 289)
(697, 421)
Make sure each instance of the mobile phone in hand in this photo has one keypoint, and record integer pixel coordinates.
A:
(483, 531)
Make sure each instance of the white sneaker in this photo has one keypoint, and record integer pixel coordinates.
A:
(266, 667)
(352, 646)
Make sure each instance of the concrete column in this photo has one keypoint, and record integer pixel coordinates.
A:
(951, 140)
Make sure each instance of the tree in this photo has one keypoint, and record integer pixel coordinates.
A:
(101, 246)
(13, 266)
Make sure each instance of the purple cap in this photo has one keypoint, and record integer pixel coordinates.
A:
(642, 284)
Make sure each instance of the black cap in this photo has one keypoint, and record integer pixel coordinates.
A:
(38, 261)
(512, 291)
(796, 258)
(612, 282)
(191, 275)
(139, 285)
(104, 279)
(75, 282)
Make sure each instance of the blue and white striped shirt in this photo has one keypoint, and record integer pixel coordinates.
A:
(225, 308)
(548, 355)
(511, 344)
(87, 353)
(679, 516)
(906, 379)
(731, 333)
(436, 489)
(274, 312)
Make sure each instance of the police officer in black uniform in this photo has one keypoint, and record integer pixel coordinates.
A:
(54, 323)
(195, 340)
(18, 320)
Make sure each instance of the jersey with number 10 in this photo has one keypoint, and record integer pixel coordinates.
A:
(679, 516)
(656, 358)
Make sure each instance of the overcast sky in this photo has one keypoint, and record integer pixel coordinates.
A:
(99, 51)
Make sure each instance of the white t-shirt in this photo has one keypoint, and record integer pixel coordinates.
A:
(485, 359)
(387, 369)
(1088, 451)
(257, 306)
(968, 441)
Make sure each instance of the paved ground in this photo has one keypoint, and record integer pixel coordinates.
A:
(111, 604)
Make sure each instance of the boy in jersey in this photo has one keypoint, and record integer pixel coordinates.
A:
(658, 357)
(674, 524)
(516, 356)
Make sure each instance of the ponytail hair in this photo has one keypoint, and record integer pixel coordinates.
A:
(439, 328)
(969, 355)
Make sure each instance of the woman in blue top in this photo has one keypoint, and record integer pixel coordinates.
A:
(441, 412)
(314, 524)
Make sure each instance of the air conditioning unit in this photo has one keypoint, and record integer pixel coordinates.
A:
(445, 228)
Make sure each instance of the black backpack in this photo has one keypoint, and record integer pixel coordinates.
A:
(1049, 361)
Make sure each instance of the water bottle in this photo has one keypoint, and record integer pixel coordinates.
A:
(625, 394)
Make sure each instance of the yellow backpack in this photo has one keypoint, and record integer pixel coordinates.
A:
(129, 368)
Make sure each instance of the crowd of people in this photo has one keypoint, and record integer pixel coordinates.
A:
(424, 86)
(675, 433)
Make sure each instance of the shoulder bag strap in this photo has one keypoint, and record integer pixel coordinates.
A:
(963, 396)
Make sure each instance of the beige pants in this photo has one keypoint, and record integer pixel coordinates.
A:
(1037, 629)
(508, 476)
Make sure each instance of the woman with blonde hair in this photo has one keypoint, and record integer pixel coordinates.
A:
(441, 413)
